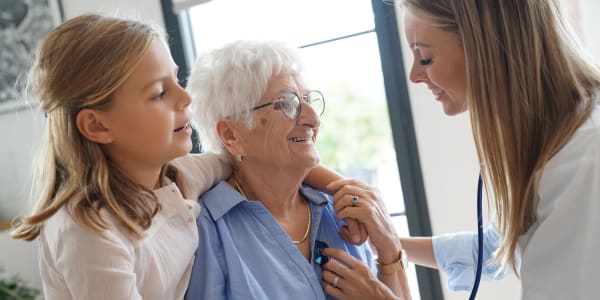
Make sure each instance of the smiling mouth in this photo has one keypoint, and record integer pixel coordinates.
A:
(299, 139)
(437, 93)
(183, 127)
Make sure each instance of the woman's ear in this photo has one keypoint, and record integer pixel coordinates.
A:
(90, 125)
(230, 136)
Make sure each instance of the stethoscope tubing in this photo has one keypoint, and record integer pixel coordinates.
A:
(479, 239)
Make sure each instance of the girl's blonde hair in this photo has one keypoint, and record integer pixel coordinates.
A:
(80, 65)
(529, 88)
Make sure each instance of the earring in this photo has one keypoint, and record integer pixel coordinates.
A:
(239, 158)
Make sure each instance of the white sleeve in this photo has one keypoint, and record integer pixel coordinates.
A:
(201, 171)
(559, 254)
(95, 265)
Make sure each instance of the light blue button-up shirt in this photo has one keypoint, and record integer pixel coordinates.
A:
(456, 256)
(245, 254)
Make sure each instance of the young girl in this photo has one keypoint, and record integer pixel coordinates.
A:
(115, 214)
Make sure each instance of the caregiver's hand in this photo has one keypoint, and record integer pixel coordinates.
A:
(319, 177)
(352, 279)
(354, 199)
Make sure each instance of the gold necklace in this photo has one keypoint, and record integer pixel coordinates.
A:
(239, 188)
(307, 227)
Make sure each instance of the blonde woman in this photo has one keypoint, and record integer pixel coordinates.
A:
(532, 97)
(115, 214)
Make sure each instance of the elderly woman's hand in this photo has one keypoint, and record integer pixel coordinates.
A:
(355, 200)
(352, 279)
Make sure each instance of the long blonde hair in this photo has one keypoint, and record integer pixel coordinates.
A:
(80, 65)
(529, 88)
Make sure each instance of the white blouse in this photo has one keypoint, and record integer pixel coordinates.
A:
(77, 263)
(558, 252)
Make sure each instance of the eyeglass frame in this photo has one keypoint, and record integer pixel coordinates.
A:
(301, 98)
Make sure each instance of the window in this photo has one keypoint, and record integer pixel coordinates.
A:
(339, 46)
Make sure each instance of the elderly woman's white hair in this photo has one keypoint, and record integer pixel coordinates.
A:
(230, 81)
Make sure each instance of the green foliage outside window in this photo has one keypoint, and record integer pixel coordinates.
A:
(355, 130)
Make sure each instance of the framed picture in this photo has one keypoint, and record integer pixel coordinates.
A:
(23, 24)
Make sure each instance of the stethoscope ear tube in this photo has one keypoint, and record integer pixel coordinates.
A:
(479, 239)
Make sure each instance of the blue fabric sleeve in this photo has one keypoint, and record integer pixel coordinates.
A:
(456, 256)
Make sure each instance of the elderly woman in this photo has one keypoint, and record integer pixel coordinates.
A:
(261, 230)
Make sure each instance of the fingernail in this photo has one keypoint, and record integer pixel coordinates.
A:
(356, 238)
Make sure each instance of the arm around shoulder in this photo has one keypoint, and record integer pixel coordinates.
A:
(201, 171)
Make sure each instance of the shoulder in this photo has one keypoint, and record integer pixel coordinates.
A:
(572, 176)
(192, 161)
(219, 201)
(192, 166)
(582, 147)
(62, 232)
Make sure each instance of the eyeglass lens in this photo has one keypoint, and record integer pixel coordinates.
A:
(290, 104)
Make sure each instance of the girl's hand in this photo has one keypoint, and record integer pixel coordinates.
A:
(351, 279)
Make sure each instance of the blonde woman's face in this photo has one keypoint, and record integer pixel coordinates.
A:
(438, 61)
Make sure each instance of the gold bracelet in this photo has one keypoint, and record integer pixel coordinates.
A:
(393, 267)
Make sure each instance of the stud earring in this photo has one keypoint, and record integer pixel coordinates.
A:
(239, 158)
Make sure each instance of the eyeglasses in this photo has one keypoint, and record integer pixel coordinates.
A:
(290, 104)
(319, 258)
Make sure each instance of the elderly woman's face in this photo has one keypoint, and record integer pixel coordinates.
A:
(277, 139)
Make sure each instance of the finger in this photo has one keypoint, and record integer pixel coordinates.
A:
(328, 276)
(347, 201)
(350, 190)
(338, 255)
(338, 184)
(360, 214)
(364, 215)
(363, 233)
(334, 292)
(353, 230)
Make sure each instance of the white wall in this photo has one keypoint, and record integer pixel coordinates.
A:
(590, 23)
(22, 130)
(145, 10)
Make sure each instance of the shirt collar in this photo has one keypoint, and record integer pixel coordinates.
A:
(223, 197)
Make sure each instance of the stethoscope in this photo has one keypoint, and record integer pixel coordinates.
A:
(479, 240)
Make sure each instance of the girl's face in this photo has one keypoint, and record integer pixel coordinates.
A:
(439, 61)
(149, 117)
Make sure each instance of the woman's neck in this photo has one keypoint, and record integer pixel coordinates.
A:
(275, 188)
